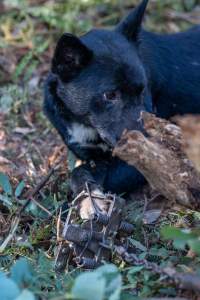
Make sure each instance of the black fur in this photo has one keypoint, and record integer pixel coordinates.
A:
(104, 79)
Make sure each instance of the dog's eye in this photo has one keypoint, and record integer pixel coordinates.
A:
(111, 95)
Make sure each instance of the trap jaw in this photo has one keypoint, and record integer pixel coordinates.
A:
(87, 244)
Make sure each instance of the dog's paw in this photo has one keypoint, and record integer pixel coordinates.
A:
(93, 204)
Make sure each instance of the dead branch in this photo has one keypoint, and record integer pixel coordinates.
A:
(162, 161)
(17, 218)
(37, 189)
(190, 126)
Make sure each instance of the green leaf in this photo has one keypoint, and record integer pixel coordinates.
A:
(22, 64)
(21, 272)
(89, 284)
(170, 232)
(195, 245)
(25, 295)
(159, 252)
(183, 237)
(113, 281)
(8, 288)
(71, 160)
(135, 269)
(179, 244)
(138, 245)
(6, 200)
(19, 188)
(5, 183)
(197, 215)
(42, 47)
(6, 101)
(107, 269)
(116, 294)
(132, 277)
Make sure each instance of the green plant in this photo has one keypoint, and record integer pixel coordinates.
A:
(183, 237)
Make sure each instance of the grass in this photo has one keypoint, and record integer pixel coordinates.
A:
(29, 147)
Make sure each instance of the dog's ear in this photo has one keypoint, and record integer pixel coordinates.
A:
(131, 25)
(70, 57)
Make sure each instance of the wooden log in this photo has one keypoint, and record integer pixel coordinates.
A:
(190, 126)
(160, 158)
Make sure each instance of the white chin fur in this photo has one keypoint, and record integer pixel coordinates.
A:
(82, 134)
(85, 136)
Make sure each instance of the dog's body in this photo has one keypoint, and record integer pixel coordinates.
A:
(101, 82)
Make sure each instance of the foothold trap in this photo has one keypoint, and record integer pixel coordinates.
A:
(89, 243)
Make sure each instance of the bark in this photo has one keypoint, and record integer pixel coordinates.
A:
(190, 126)
(159, 156)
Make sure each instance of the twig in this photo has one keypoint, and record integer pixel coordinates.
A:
(145, 205)
(13, 228)
(36, 190)
(41, 207)
(90, 197)
(58, 225)
(18, 214)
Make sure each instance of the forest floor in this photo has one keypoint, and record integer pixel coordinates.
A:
(30, 148)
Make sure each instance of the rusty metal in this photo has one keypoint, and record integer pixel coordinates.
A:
(126, 227)
(87, 244)
(102, 219)
(87, 263)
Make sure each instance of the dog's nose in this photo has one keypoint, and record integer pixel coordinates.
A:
(109, 139)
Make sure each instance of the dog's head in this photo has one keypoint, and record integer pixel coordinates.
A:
(101, 79)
